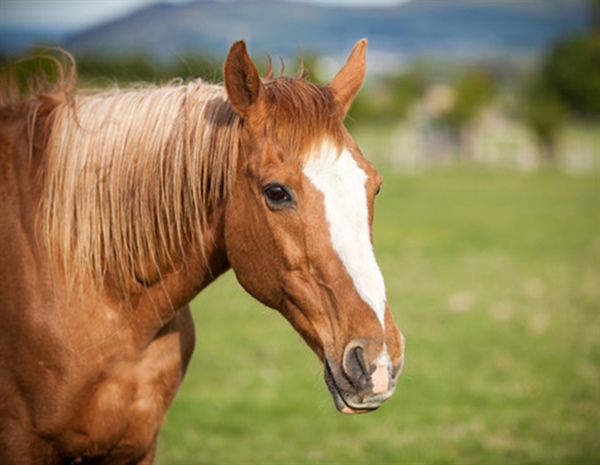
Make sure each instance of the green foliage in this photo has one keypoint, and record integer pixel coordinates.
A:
(99, 71)
(389, 99)
(572, 69)
(567, 82)
(494, 280)
(454, 113)
(544, 112)
(192, 66)
(472, 92)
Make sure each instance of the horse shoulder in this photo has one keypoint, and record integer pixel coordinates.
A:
(93, 393)
(123, 395)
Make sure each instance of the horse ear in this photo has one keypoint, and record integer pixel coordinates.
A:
(347, 82)
(241, 79)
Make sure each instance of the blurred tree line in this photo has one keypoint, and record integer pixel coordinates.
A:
(565, 85)
(142, 68)
(121, 69)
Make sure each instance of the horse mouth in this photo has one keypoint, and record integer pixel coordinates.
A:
(342, 403)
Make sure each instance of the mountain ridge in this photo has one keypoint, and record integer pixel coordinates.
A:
(451, 28)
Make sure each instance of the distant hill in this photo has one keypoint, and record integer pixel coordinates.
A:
(461, 28)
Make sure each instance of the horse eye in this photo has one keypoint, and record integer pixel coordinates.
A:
(378, 190)
(277, 195)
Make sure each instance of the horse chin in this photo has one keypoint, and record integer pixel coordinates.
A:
(340, 402)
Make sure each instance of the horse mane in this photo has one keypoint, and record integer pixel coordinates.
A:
(131, 175)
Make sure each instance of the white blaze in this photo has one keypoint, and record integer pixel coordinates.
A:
(343, 185)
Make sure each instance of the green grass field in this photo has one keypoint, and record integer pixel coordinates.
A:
(494, 278)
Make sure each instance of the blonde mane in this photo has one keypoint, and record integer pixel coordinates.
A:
(131, 176)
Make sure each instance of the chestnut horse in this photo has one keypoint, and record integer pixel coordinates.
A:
(119, 206)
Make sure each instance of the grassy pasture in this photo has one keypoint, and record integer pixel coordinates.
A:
(494, 278)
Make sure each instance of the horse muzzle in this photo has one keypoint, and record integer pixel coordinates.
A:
(360, 386)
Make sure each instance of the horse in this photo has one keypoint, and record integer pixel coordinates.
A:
(119, 206)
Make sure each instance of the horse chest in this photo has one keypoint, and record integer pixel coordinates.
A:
(128, 406)
(120, 419)
(109, 402)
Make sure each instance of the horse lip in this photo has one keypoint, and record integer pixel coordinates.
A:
(340, 402)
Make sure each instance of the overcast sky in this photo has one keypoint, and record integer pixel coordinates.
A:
(79, 14)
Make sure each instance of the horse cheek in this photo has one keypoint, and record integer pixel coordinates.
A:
(248, 249)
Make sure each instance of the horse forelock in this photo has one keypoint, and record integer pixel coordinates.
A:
(301, 115)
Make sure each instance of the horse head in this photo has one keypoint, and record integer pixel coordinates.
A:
(298, 225)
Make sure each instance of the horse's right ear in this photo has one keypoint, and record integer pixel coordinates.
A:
(242, 82)
(348, 80)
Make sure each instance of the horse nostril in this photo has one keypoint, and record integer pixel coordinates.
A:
(355, 367)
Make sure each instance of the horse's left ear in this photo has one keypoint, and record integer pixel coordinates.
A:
(347, 82)
(241, 79)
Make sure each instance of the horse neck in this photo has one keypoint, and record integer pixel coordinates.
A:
(201, 265)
